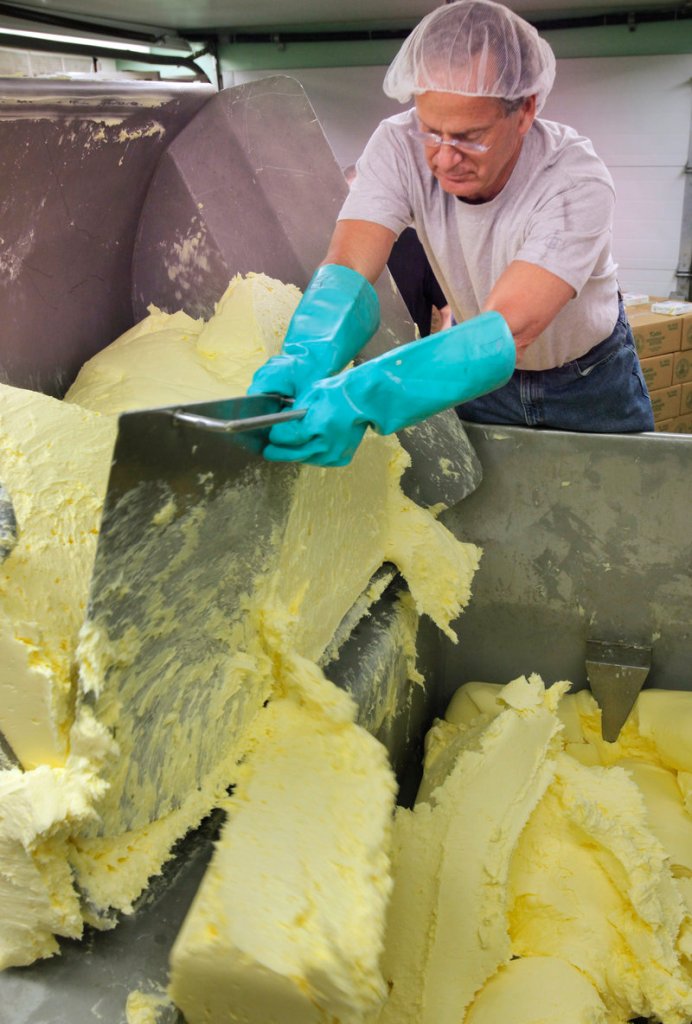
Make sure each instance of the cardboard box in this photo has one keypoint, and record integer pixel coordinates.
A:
(686, 398)
(666, 402)
(658, 371)
(655, 334)
(682, 366)
(686, 333)
(683, 424)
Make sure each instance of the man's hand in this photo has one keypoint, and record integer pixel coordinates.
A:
(395, 390)
(336, 317)
(329, 432)
(280, 375)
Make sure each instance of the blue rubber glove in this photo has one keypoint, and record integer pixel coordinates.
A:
(336, 317)
(400, 388)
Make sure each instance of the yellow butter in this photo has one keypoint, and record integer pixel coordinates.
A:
(288, 921)
(447, 921)
(54, 458)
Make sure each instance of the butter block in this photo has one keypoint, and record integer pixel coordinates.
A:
(54, 463)
(447, 928)
(288, 922)
(38, 810)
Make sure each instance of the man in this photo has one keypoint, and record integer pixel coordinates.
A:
(515, 215)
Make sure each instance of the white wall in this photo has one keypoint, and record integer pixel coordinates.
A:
(637, 111)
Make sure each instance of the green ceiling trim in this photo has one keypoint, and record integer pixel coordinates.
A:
(662, 37)
(282, 56)
(674, 37)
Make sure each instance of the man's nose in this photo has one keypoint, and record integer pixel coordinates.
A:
(447, 157)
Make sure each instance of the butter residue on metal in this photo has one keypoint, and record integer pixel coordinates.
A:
(144, 1007)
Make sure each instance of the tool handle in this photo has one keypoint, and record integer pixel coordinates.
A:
(234, 426)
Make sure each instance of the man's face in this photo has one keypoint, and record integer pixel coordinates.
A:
(475, 177)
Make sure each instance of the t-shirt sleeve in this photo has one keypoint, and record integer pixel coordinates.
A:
(380, 190)
(568, 234)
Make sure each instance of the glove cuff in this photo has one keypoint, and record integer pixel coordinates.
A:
(336, 317)
(412, 382)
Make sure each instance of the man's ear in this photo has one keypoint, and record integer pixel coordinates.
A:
(527, 114)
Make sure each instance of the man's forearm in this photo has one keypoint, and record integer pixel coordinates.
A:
(529, 298)
(361, 245)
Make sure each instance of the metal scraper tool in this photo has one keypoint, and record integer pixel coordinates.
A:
(616, 673)
(190, 523)
(447, 468)
(243, 423)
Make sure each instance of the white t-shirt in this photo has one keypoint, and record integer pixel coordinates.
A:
(556, 211)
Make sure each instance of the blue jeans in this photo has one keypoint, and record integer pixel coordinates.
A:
(602, 392)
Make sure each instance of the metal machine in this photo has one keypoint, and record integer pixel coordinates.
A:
(119, 195)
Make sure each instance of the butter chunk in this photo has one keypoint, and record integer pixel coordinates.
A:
(148, 1007)
(539, 990)
(167, 359)
(38, 809)
(447, 927)
(664, 718)
(591, 884)
(54, 463)
(287, 924)
(657, 730)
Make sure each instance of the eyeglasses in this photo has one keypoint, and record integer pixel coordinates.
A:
(434, 140)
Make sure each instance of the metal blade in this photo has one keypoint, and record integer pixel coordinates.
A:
(192, 519)
(616, 673)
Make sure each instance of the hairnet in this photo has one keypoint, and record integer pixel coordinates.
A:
(473, 48)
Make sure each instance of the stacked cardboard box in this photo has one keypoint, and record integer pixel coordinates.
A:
(664, 344)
